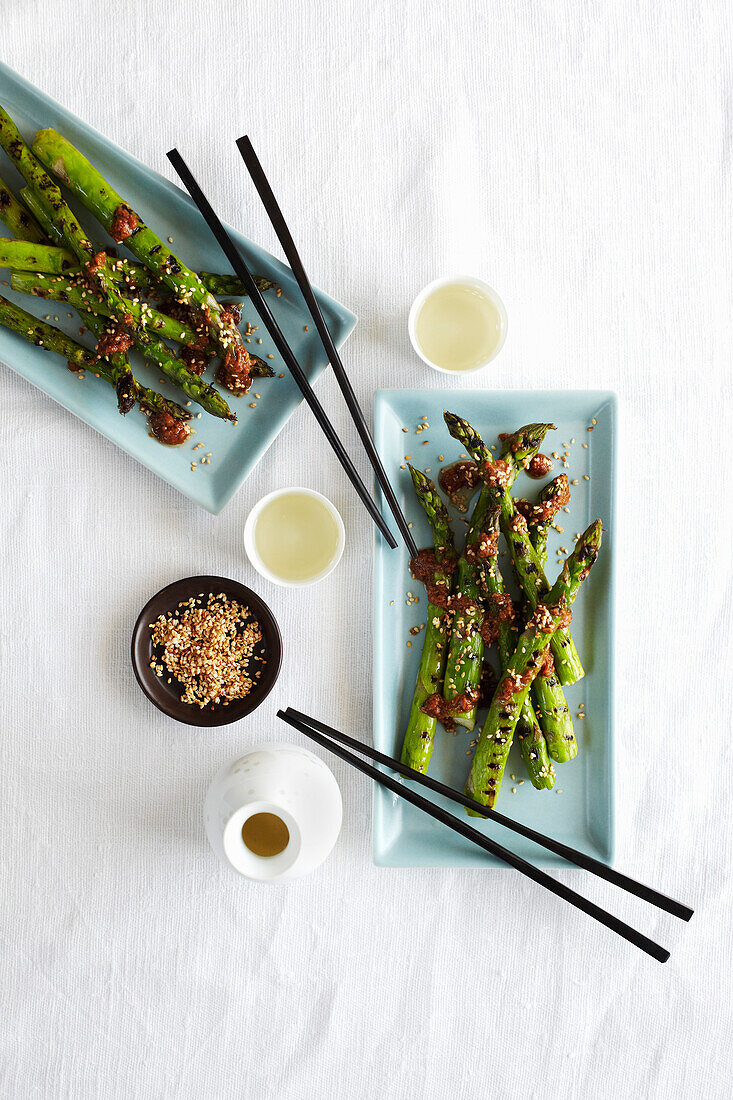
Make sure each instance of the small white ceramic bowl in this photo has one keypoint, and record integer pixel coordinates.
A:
(251, 548)
(474, 284)
(282, 779)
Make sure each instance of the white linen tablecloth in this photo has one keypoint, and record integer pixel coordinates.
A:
(579, 156)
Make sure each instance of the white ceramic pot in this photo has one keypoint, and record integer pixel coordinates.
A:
(281, 779)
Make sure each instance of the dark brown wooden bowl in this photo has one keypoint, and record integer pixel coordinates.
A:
(167, 697)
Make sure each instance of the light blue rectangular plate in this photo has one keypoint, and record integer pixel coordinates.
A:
(235, 449)
(580, 810)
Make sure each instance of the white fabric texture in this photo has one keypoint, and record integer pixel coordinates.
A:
(579, 157)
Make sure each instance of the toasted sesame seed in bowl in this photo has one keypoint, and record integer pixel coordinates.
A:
(206, 650)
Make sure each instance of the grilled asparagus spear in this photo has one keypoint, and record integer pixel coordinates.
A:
(546, 690)
(419, 736)
(492, 751)
(136, 275)
(166, 418)
(17, 218)
(553, 496)
(553, 712)
(466, 652)
(115, 371)
(59, 288)
(98, 268)
(31, 256)
(124, 225)
(526, 563)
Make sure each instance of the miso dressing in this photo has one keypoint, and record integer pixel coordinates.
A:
(296, 536)
(458, 327)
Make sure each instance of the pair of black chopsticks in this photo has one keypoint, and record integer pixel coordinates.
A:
(242, 271)
(333, 740)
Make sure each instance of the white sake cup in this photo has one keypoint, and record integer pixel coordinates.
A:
(282, 779)
(470, 282)
(250, 542)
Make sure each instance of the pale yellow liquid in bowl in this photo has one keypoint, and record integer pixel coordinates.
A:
(458, 327)
(296, 536)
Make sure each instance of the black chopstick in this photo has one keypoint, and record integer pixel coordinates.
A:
(264, 190)
(243, 273)
(632, 935)
(580, 859)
